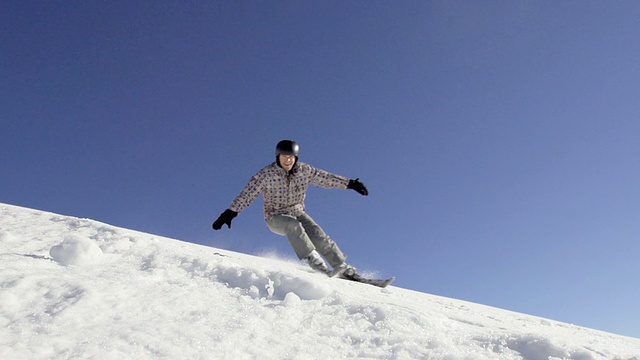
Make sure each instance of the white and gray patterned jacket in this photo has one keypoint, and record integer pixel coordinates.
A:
(284, 192)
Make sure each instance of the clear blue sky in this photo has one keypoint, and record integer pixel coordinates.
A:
(499, 139)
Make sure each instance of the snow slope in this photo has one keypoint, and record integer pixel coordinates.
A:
(79, 289)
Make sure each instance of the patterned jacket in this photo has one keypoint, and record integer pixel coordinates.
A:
(284, 192)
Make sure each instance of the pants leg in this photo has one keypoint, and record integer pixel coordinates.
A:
(294, 231)
(322, 242)
(305, 235)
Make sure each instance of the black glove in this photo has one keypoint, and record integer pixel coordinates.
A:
(358, 186)
(225, 218)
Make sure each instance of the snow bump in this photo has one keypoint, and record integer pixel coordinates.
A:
(76, 250)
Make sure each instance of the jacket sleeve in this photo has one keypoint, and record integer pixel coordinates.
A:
(327, 180)
(249, 194)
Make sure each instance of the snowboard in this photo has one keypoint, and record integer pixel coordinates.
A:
(354, 276)
(375, 282)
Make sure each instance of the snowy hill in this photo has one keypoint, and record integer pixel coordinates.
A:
(79, 289)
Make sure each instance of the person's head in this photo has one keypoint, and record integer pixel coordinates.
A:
(287, 152)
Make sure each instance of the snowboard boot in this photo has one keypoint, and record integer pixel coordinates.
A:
(343, 270)
(316, 262)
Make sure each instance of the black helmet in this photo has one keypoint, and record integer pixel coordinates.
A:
(287, 147)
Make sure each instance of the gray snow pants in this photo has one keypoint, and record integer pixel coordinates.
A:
(305, 236)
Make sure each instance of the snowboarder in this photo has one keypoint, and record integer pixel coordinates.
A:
(283, 185)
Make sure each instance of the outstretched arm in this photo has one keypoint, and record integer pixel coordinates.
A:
(241, 202)
(327, 179)
(249, 194)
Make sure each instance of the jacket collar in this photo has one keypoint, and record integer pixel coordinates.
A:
(293, 170)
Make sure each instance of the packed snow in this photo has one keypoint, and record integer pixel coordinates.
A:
(75, 288)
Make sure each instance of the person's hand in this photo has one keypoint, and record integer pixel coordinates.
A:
(358, 186)
(224, 218)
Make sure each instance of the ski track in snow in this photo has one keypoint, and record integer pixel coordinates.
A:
(76, 288)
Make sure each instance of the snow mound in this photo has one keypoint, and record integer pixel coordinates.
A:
(258, 282)
(76, 250)
(291, 300)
